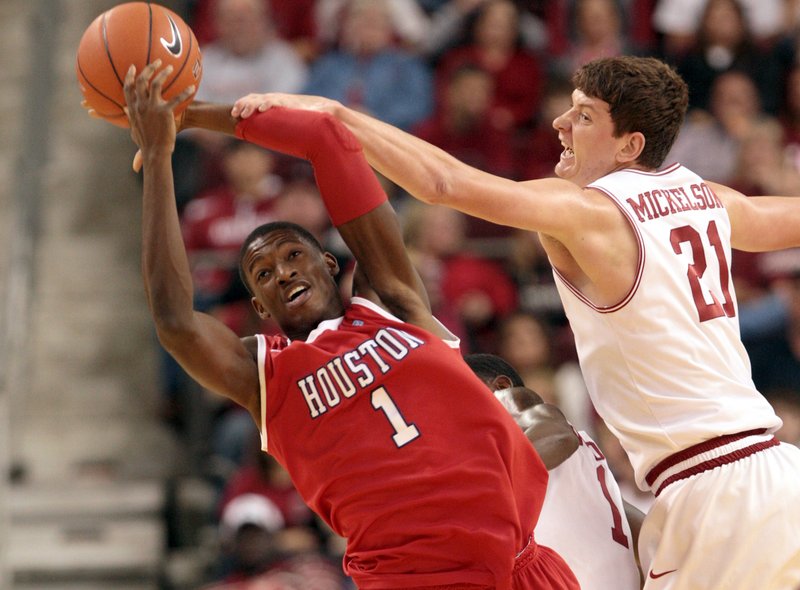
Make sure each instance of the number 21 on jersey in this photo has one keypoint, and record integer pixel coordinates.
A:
(697, 268)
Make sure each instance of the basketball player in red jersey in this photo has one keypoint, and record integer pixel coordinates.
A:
(354, 401)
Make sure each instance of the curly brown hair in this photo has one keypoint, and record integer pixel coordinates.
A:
(644, 94)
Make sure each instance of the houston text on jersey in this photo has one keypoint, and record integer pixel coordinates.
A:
(344, 375)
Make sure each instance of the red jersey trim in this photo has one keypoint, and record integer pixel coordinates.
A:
(639, 265)
(664, 172)
(679, 465)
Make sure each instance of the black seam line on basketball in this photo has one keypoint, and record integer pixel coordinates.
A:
(183, 65)
(108, 51)
(98, 91)
(149, 33)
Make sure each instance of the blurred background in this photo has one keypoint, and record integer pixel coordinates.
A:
(119, 471)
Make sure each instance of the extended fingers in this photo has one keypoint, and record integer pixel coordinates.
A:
(247, 105)
(157, 82)
(185, 95)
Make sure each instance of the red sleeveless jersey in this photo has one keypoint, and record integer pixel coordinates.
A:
(402, 450)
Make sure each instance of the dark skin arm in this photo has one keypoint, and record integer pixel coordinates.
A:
(210, 352)
(550, 434)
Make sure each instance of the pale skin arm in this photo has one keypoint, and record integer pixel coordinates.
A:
(585, 235)
(760, 224)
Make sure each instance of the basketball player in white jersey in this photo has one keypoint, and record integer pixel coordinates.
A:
(641, 254)
(584, 517)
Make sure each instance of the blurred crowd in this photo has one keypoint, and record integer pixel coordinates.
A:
(483, 80)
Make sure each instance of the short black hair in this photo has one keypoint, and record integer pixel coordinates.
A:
(490, 366)
(268, 228)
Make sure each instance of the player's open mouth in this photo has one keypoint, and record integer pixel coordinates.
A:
(297, 294)
(567, 154)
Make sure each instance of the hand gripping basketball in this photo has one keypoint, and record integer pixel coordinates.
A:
(152, 118)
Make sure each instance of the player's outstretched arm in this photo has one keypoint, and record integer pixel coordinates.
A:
(760, 224)
(551, 206)
(206, 348)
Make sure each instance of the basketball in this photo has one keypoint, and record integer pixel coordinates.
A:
(135, 33)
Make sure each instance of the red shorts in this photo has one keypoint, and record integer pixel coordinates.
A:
(536, 568)
(541, 568)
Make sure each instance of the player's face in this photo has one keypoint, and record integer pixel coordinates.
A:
(292, 282)
(586, 131)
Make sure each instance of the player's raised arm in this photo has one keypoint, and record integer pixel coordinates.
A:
(210, 352)
(355, 201)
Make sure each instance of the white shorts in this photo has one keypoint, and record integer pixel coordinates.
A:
(733, 527)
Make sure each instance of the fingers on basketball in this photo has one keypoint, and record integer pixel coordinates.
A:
(136, 34)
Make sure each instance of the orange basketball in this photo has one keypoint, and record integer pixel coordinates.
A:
(135, 33)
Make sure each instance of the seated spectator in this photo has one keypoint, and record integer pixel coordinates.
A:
(725, 43)
(597, 32)
(368, 71)
(469, 293)
(247, 56)
(677, 22)
(450, 21)
(410, 23)
(215, 223)
(260, 475)
(494, 44)
(293, 19)
(710, 140)
(463, 127)
(260, 552)
(540, 149)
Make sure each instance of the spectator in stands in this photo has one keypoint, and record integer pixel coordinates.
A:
(540, 149)
(410, 23)
(260, 551)
(247, 54)
(450, 23)
(216, 221)
(369, 72)
(677, 22)
(790, 115)
(598, 31)
(710, 139)
(724, 43)
(462, 124)
(261, 475)
(293, 20)
(472, 291)
(495, 45)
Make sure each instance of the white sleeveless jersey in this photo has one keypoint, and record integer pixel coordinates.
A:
(665, 367)
(597, 543)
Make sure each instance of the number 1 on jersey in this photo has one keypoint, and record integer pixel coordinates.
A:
(404, 433)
